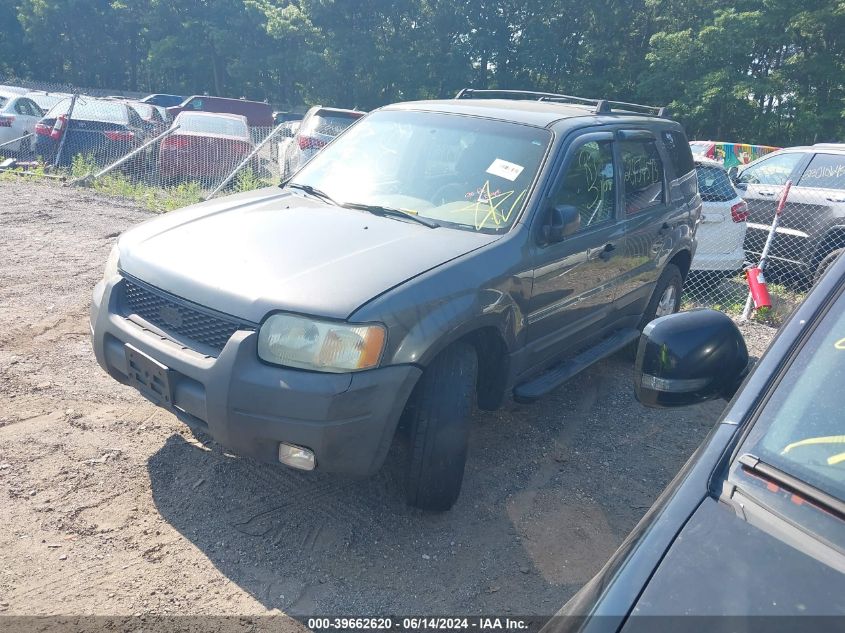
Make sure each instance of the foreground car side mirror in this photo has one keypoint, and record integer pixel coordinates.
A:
(564, 219)
(689, 357)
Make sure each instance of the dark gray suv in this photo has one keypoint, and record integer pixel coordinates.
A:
(436, 256)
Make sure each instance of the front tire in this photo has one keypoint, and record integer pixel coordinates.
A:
(439, 415)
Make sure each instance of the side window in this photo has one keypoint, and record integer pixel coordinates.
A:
(195, 104)
(587, 183)
(21, 107)
(679, 151)
(643, 172)
(826, 171)
(771, 171)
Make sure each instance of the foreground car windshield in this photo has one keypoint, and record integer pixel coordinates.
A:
(802, 430)
(466, 172)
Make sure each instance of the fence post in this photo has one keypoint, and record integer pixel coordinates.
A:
(87, 178)
(66, 131)
(245, 161)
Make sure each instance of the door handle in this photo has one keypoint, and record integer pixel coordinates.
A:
(607, 252)
(766, 193)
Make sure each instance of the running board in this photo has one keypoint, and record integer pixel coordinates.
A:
(553, 378)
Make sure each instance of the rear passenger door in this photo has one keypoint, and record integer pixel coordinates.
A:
(649, 218)
(573, 279)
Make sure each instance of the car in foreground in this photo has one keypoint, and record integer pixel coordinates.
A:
(811, 231)
(102, 129)
(318, 127)
(18, 117)
(436, 256)
(750, 535)
(205, 146)
(721, 234)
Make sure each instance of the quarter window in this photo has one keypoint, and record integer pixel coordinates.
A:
(771, 171)
(679, 151)
(643, 171)
(826, 171)
(588, 185)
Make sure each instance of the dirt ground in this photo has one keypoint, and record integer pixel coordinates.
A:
(111, 506)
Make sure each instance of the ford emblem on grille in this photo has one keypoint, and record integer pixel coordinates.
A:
(170, 315)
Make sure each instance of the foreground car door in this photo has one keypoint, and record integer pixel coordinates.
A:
(574, 278)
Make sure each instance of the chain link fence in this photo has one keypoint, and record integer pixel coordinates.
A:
(794, 199)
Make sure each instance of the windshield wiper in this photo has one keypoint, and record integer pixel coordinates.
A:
(317, 193)
(785, 480)
(377, 209)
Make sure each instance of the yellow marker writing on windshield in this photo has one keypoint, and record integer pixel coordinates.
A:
(840, 344)
(830, 439)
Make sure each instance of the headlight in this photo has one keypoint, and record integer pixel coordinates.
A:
(295, 341)
(112, 263)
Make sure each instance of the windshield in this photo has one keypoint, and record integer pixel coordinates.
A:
(92, 110)
(801, 430)
(465, 172)
(210, 124)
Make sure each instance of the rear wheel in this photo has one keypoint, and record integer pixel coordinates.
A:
(438, 418)
(825, 263)
(666, 298)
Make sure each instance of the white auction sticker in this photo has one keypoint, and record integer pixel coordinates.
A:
(504, 169)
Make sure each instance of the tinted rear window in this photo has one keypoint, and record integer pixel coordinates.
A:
(678, 146)
(825, 171)
(92, 110)
(714, 184)
(331, 123)
(226, 126)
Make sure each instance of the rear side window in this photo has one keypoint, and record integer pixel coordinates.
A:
(714, 184)
(643, 171)
(3, 102)
(826, 171)
(679, 151)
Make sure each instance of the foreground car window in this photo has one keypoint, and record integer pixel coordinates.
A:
(465, 172)
(802, 429)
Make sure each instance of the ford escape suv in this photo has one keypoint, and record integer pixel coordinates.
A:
(434, 257)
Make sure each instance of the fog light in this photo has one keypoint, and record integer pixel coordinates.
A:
(297, 457)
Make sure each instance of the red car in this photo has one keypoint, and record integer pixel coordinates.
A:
(206, 145)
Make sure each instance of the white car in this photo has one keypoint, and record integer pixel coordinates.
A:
(319, 126)
(723, 222)
(18, 116)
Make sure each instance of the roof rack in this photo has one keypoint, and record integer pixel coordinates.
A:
(601, 106)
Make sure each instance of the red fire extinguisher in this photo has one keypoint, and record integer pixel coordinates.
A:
(757, 287)
(758, 292)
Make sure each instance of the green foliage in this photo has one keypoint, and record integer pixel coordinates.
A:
(247, 180)
(755, 71)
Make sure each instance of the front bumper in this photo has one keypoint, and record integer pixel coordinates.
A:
(347, 420)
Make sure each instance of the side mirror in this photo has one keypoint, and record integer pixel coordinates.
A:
(689, 357)
(564, 220)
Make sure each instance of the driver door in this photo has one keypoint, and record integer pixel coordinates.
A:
(574, 278)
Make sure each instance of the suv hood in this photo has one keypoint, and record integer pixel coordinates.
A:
(250, 254)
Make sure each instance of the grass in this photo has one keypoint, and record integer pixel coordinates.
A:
(152, 197)
(729, 295)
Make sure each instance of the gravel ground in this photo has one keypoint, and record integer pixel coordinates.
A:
(111, 506)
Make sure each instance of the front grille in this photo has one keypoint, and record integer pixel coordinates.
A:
(179, 317)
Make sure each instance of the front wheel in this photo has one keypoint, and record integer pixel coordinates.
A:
(439, 415)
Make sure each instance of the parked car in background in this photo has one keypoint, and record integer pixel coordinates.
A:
(721, 234)
(811, 231)
(206, 146)
(17, 90)
(18, 117)
(753, 527)
(104, 129)
(436, 255)
(257, 113)
(283, 117)
(730, 154)
(318, 127)
(163, 100)
(46, 100)
(287, 133)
